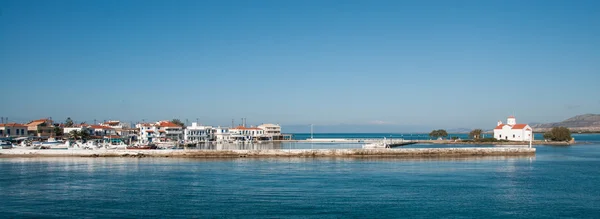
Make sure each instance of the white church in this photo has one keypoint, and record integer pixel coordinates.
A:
(512, 131)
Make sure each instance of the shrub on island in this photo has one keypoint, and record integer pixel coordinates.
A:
(558, 134)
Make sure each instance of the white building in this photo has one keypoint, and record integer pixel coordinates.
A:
(147, 132)
(79, 128)
(245, 133)
(13, 130)
(115, 124)
(273, 131)
(198, 133)
(100, 130)
(159, 132)
(222, 134)
(512, 131)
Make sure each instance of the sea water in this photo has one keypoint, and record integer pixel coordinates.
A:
(556, 182)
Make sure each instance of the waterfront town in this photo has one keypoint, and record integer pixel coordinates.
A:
(114, 132)
(46, 133)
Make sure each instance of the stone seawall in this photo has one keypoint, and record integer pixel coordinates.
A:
(403, 152)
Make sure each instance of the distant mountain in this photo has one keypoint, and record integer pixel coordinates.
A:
(580, 123)
(459, 130)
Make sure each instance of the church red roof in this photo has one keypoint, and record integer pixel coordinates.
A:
(519, 126)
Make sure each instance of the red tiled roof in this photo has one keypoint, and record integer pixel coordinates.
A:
(500, 126)
(100, 127)
(12, 125)
(511, 117)
(112, 123)
(37, 122)
(161, 131)
(150, 131)
(167, 124)
(519, 126)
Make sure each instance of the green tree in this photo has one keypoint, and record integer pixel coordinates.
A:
(58, 131)
(69, 122)
(84, 134)
(440, 133)
(74, 134)
(178, 122)
(475, 134)
(558, 134)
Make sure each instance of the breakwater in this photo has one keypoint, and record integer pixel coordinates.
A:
(404, 152)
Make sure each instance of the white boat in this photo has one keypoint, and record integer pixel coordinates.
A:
(121, 145)
(6, 145)
(53, 144)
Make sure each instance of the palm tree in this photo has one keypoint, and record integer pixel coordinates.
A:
(84, 135)
(74, 134)
(476, 133)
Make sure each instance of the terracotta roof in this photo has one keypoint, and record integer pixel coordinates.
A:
(12, 125)
(112, 123)
(37, 122)
(500, 126)
(519, 126)
(161, 131)
(167, 124)
(150, 131)
(511, 117)
(100, 127)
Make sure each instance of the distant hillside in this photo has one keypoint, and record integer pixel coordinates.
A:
(581, 123)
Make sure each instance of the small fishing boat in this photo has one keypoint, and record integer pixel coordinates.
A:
(53, 144)
(142, 147)
(6, 145)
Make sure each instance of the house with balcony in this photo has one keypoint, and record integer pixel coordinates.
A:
(159, 132)
(79, 128)
(198, 133)
(272, 131)
(221, 134)
(121, 128)
(171, 130)
(247, 133)
(13, 130)
(101, 131)
(147, 132)
(40, 128)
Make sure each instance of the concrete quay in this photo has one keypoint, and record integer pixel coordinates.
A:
(399, 153)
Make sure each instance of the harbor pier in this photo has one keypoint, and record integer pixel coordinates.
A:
(401, 152)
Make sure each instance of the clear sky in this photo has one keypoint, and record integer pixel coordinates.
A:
(446, 64)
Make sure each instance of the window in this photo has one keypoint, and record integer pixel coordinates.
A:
(513, 136)
(500, 135)
(22, 131)
(8, 131)
(1, 132)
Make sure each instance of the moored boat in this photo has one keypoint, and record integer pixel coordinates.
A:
(6, 145)
(142, 147)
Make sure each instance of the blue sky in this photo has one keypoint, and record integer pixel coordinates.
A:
(398, 64)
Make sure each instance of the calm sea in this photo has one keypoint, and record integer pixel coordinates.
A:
(556, 182)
